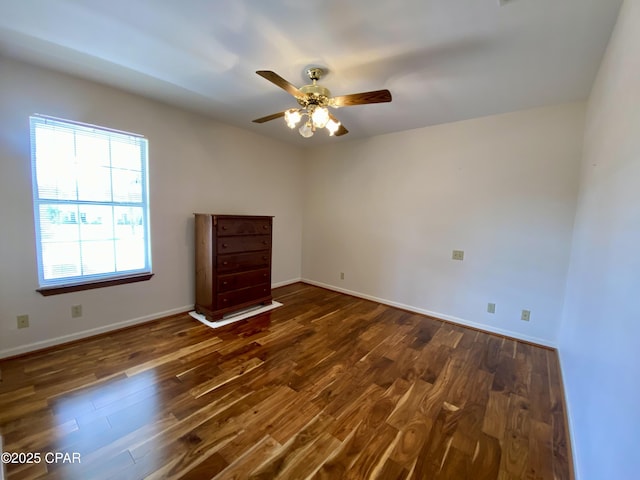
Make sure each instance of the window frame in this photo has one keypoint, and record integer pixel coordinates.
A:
(90, 281)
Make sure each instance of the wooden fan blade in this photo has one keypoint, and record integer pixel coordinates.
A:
(376, 96)
(341, 129)
(276, 79)
(268, 117)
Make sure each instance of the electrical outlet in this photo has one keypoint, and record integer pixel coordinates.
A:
(23, 321)
(526, 315)
(341, 275)
(76, 311)
(457, 255)
(491, 307)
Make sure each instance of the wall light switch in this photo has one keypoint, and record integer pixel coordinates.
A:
(491, 307)
(526, 315)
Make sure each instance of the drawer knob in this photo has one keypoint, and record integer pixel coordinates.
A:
(224, 245)
(225, 263)
(264, 257)
(224, 300)
(224, 283)
(224, 227)
(264, 242)
(266, 227)
(264, 274)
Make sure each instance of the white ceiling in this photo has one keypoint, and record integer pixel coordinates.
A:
(442, 60)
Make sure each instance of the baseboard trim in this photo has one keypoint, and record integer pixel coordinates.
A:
(286, 282)
(568, 424)
(440, 316)
(52, 342)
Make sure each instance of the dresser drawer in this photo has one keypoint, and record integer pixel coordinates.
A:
(243, 244)
(236, 297)
(242, 261)
(235, 281)
(240, 226)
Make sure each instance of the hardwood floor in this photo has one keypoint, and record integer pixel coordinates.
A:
(326, 387)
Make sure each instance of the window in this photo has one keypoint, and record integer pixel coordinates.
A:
(90, 199)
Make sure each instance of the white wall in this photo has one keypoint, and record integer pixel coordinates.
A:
(600, 334)
(389, 210)
(196, 165)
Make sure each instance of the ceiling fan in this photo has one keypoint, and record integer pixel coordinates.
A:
(314, 100)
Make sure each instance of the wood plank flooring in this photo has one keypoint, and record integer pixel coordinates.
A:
(326, 387)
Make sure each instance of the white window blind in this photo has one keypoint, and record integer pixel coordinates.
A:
(90, 200)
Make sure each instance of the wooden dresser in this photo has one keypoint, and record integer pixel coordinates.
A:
(233, 263)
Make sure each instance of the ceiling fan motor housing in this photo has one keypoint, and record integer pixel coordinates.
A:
(314, 95)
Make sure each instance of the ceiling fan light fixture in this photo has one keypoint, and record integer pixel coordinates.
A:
(320, 117)
(306, 130)
(332, 126)
(313, 101)
(292, 117)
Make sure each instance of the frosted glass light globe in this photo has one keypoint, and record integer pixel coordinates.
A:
(320, 117)
(306, 131)
(332, 126)
(292, 117)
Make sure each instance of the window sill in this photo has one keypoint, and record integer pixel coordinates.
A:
(57, 290)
